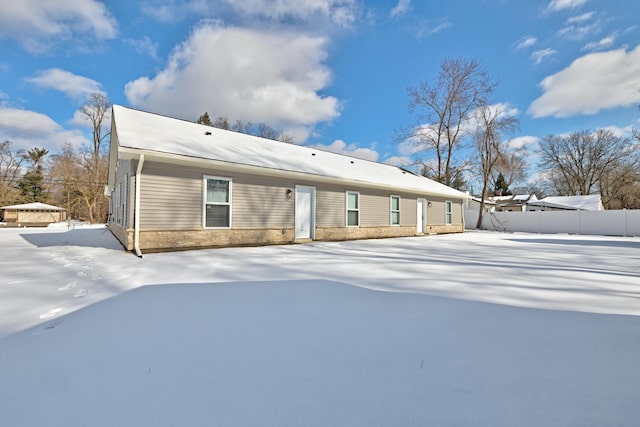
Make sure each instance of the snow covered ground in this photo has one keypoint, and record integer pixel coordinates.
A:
(468, 329)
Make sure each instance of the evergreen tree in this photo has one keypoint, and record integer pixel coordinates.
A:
(204, 119)
(31, 185)
(500, 186)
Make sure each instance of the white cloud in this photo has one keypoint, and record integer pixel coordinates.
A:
(579, 32)
(604, 43)
(353, 150)
(526, 42)
(580, 18)
(523, 142)
(144, 46)
(337, 12)
(580, 27)
(172, 10)
(400, 161)
(558, 5)
(592, 83)
(81, 120)
(401, 8)
(540, 55)
(340, 12)
(74, 86)
(243, 74)
(27, 129)
(37, 24)
(501, 109)
(626, 131)
(441, 26)
(427, 28)
(411, 146)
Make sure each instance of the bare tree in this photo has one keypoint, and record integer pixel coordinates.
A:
(10, 164)
(620, 188)
(578, 162)
(95, 110)
(261, 130)
(221, 123)
(491, 124)
(67, 180)
(444, 107)
(512, 166)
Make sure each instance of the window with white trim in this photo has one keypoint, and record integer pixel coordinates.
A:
(353, 209)
(395, 210)
(447, 212)
(217, 202)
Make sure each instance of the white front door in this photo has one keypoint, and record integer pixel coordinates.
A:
(421, 218)
(305, 212)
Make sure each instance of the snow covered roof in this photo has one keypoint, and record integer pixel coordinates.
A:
(515, 198)
(156, 134)
(584, 203)
(34, 206)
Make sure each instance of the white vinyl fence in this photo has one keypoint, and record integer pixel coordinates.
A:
(604, 223)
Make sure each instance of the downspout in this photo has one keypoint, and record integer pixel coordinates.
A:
(465, 206)
(136, 217)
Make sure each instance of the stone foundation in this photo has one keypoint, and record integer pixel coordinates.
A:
(445, 229)
(160, 240)
(355, 233)
(182, 239)
(124, 235)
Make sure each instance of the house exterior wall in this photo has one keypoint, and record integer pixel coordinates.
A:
(10, 215)
(171, 209)
(33, 217)
(330, 206)
(120, 196)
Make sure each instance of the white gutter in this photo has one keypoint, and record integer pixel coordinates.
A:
(136, 218)
(133, 153)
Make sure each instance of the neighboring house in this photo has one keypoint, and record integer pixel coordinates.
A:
(472, 210)
(178, 184)
(591, 202)
(514, 203)
(32, 215)
(474, 203)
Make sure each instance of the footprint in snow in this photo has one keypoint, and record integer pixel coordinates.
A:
(49, 314)
(80, 293)
(82, 273)
(68, 286)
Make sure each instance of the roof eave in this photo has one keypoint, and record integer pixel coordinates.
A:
(134, 153)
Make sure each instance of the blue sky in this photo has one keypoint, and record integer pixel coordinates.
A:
(331, 73)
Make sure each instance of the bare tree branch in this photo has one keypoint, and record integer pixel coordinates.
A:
(586, 162)
(444, 106)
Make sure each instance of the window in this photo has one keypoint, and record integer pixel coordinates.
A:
(217, 202)
(447, 212)
(353, 209)
(395, 210)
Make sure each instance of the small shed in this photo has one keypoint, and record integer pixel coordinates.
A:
(32, 214)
